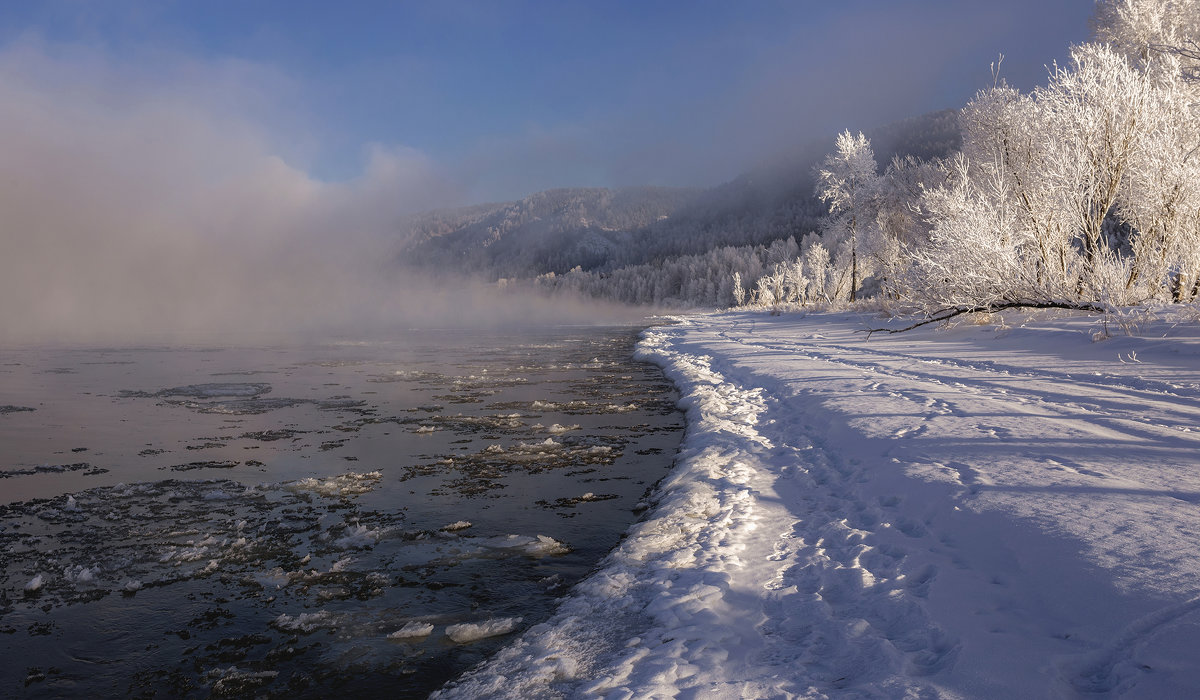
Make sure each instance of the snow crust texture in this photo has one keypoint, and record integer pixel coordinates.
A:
(975, 512)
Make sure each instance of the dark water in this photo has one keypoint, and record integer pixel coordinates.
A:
(354, 518)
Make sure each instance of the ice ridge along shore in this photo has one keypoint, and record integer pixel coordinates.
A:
(979, 512)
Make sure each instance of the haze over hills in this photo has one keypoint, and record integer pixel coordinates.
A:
(601, 230)
(550, 231)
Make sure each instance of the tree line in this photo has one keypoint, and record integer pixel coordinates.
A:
(1084, 193)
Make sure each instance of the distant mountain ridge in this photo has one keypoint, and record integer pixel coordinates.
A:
(604, 229)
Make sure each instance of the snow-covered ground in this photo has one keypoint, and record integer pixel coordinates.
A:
(982, 511)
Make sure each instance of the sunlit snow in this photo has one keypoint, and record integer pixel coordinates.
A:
(983, 511)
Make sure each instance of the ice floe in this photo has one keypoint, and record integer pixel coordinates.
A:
(474, 631)
(348, 484)
(412, 630)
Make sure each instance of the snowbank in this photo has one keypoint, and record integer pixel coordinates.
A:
(985, 511)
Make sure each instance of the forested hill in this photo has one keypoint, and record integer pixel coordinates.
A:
(602, 230)
(553, 230)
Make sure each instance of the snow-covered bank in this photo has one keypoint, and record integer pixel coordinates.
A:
(973, 512)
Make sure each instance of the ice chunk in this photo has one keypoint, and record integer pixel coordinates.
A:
(472, 631)
(35, 584)
(412, 630)
(218, 389)
(235, 682)
(274, 578)
(348, 484)
(457, 525)
(305, 622)
(184, 554)
(81, 575)
(544, 546)
(540, 546)
(358, 537)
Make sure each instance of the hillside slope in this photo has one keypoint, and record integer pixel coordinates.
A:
(603, 230)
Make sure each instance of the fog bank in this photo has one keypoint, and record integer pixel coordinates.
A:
(158, 204)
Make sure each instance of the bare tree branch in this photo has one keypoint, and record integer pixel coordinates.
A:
(946, 314)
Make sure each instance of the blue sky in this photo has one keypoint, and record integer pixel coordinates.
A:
(501, 99)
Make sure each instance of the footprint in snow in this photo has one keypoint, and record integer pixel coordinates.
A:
(969, 477)
(912, 431)
(918, 583)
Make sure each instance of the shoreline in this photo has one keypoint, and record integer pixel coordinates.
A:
(946, 513)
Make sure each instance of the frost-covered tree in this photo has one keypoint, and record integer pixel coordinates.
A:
(1032, 212)
(1093, 115)
(1139, 29)
(1162, 196)
(816, 260)
(739, 292)
(795, 282)
(898, 213)
(847, 183)
(1005, 142)
(900, 222)
(704, 280)
(763, 293)
(1161, 39)
(973, 259)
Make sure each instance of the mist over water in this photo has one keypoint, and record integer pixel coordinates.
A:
(138, 211)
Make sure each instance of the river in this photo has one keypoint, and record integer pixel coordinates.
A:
(368, 518)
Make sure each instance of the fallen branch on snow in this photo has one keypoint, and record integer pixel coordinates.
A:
(946, 314)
